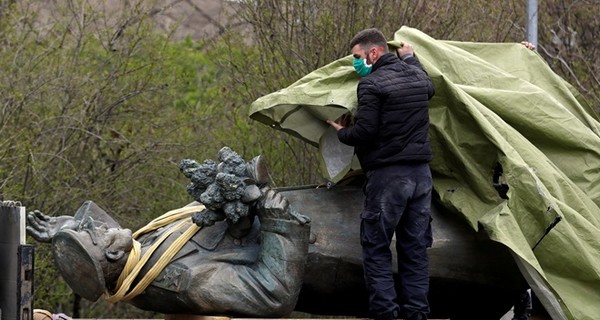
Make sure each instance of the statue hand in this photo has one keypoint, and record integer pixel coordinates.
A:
(43, 227)
(207, 217)
(273, 205)
(302, 219)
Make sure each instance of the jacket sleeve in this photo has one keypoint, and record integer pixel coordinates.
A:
(414, 61)
(366, 120)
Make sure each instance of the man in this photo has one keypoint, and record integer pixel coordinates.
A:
(250, 267)
(390, 136)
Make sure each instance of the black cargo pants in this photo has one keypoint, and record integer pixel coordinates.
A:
(398, 201)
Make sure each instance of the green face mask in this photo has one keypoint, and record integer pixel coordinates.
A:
(361, 67)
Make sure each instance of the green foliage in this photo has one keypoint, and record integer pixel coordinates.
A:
(95, 104)
(87, 113)
(568, 35)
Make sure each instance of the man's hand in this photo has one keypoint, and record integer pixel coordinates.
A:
(528, 45)
(343, 122)
(334, 124)
(43, 228)
(405, 50)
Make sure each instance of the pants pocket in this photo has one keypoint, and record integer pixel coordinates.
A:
(370, 227)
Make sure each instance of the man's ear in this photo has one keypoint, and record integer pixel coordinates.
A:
(114, 255)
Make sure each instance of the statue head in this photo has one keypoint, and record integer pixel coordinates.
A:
(91, 258)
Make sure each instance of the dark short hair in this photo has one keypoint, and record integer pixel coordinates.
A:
(369, 37)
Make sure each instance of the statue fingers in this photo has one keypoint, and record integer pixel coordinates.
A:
(41, 216)
(281, 202)
(275, 204)
(302, 219)
(35, 223)
(41, 236)
(276, 201)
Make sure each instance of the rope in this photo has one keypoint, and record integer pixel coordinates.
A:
(136, 261)
(10, 203)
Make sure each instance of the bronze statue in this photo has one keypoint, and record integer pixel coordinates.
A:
(248, 259)
(261, 258)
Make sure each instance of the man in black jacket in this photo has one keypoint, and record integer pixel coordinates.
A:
(390, 139)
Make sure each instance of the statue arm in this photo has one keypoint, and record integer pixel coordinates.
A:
(269, 287)
(43, 227)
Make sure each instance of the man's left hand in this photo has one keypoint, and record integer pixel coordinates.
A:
(343, 122)
(334, 124)
(405, 49)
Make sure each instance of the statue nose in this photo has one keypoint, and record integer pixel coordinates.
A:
(88, 226)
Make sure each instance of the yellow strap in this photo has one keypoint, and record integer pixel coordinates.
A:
(135, 264)
(167, 218)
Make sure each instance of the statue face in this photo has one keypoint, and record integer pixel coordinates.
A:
(104, 243)
(91, 257)
(118, 240)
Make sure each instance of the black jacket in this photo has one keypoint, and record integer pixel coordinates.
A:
(392, 121)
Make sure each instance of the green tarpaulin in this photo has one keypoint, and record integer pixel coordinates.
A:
(494, 103)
